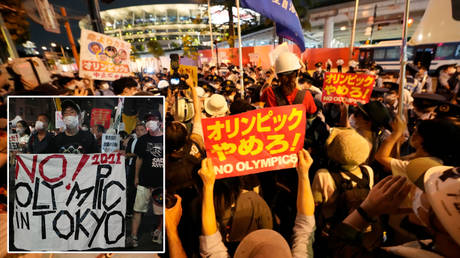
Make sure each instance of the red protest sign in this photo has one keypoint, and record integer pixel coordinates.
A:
(100, 116)
(256, 141)
(348, 88)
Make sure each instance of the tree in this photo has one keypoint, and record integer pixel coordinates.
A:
(228, 6)
(155, 48)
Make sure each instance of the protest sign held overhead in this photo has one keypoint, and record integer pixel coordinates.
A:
(348, 88)
(69, 202)
(256, 141)
(103, 57)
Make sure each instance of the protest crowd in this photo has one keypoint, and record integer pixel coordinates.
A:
(369, 181)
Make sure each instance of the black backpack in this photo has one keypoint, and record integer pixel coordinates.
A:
(281, 99)
(347, 199)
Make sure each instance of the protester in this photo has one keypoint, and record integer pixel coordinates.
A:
(97, 131)
(287, 67)
(23, 130)
(140, 130)
(73, 140)
(41, 141)
(148, 174)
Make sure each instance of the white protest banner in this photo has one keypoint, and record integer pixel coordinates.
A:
(103, 57)
(58, 118)
(110, 143)
(14, 141)
(69, 202)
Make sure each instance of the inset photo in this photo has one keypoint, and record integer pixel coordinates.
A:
(86, 174)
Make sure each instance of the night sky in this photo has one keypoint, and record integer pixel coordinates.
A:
(80, 8)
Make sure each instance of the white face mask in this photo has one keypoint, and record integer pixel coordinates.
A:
(390, 99)
(104, 86)
(39, 125)
(20, 131)
(71, 122)
(152, 125)
(423, 116)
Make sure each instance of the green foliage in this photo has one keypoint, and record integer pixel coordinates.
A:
(154, 48)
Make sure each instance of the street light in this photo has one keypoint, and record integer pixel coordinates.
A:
(53, 44)
(44, 48)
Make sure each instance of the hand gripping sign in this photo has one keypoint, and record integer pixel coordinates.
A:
(256, 141)
(69, 202)
(348, 88)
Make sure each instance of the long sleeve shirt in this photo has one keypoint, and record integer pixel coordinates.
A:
(212, 246)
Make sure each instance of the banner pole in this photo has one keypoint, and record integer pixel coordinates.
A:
(403, 60)
(353, 31)
(240, 50)
(210, 30)
(70, 36)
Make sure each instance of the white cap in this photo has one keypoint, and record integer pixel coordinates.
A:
(216, 105)
(163, 84)
(442, 186)
(287, 62)
(200, 92)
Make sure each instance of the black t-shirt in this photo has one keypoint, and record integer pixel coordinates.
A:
(81, 143)
(150, 150)
(46, 145)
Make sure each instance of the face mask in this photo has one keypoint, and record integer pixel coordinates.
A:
(20, 131)
(104, 86)
(39, 125)
(71, 122)
(391, 98)
(152, 125)
(422, 116)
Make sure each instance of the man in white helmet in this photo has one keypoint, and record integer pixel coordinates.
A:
(287, 67)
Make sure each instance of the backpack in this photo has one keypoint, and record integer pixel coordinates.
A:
(347, 199)
(281, 99)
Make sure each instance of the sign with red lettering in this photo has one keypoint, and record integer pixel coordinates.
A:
(348, 88)
(100, 116)
(69, 202)
(256, 141)
(103, 57)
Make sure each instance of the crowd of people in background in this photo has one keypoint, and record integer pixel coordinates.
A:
(369, 181)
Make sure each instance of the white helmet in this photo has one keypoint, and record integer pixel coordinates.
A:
(442, 186)
(185, 111)
(287, 62)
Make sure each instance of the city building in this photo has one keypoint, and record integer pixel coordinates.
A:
(168, 23)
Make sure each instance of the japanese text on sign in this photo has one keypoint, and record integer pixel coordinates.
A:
(100, 116)
(110, 143)
(69, 202)
(347, 88)
(103, 57)
(256, 141)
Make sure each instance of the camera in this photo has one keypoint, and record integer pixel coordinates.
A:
(177, 81)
